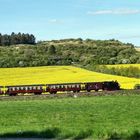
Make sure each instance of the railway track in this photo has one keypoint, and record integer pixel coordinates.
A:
(69, 94)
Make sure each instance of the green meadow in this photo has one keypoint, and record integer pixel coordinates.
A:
(104, 117)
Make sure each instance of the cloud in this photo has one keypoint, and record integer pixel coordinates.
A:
(115, 12)
(124, 36)
(54, 21)
(130, 36)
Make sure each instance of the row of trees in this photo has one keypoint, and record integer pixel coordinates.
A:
(13, 39)
(131, 71)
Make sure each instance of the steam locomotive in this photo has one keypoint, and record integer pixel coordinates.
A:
(63, 87)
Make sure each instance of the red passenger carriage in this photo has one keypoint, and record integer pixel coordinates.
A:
(14, 90)
(54, 88)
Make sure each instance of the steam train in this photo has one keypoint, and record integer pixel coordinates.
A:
(55, 88)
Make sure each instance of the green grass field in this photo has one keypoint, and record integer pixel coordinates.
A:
(103, 117)
(58, 74)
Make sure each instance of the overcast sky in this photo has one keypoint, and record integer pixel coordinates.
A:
(58, 19)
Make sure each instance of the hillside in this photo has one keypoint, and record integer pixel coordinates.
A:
(69, 52)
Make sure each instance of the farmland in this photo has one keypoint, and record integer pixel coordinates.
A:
(78, 118)
(58, 74)
(125, 65)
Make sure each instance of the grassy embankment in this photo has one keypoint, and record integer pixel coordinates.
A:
(103, 117)
(58, 74)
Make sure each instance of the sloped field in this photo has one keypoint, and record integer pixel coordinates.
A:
(58, 74)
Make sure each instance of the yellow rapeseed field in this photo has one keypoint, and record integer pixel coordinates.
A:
(124, 65)
(58, 74)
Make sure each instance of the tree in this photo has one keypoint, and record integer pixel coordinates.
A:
(31, 39)
(13, 39)
(5, 41)
(52, 50)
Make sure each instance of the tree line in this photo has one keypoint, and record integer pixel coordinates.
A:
(14, 39)
(131, 71)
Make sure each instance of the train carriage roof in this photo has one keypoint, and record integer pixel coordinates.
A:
(64, 84)
(99, 82)
(25, 85)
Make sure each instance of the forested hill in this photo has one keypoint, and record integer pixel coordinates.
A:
(68, 52)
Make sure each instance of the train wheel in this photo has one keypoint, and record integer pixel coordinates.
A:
(96, 90)
(55, 92)
(37, 93)
(88, 90)
(11, 94)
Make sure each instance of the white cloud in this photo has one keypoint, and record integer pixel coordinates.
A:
(130, 37)
(115, 12)
(54, 21)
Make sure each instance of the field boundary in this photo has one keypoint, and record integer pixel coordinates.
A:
(72, 95)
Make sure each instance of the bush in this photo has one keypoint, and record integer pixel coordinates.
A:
(137, 86)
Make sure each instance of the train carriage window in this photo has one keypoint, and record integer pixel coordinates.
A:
(13, 89)
(53, 87)
(30, 88)
(26, 88)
